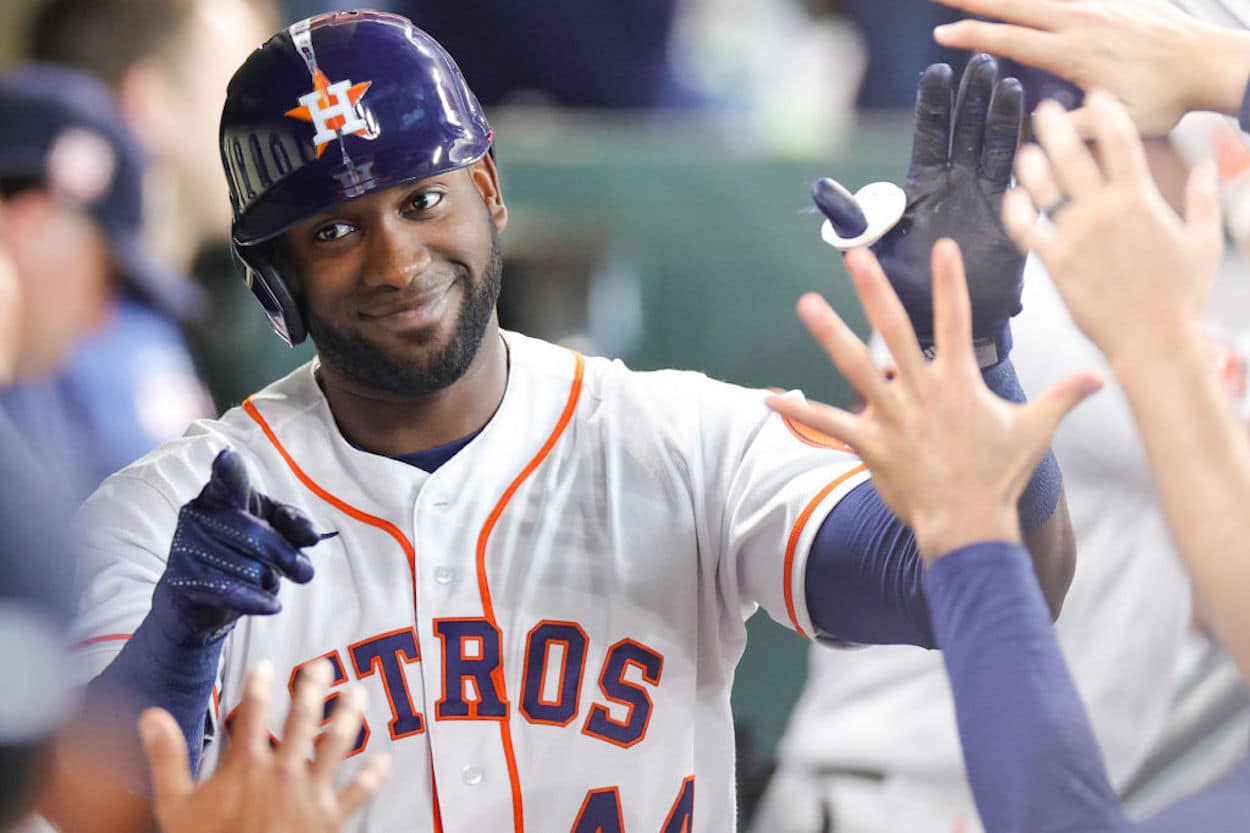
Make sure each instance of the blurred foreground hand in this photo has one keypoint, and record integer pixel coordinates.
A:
(258, 788)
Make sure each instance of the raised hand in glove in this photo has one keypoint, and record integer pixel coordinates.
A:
(962, 156)
(231, 548)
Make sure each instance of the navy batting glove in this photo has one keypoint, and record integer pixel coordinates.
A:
(962, 156)
(231, 547)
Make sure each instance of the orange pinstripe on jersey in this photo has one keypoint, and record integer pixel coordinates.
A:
(338, 503)
(793, 543)
(808, 435)
(488, 608)
(96, 640)
(364, 517)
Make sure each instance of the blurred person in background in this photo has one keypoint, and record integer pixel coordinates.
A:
(169, 73)
(60, 253)
(103, 372)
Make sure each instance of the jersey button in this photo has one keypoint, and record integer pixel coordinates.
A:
(444, 575)
(472, 775)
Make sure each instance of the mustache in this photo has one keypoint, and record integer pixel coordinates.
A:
(381, 301)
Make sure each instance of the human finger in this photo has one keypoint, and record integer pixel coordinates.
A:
(952, 311)
(1028, 46)
(840, 424)
(249, 736)
(340, 734)
(1020, 219)
(886, 313)
(1035, 175)
(1041, 14)
(228, 486)
(1043, 414)
(1074, 168)
(259, 544)
(1119, 144)
(290, 522)
(1002, 136)
(972, 103)
(168, 760)
(365, 785)
(237, 596)
(307, 705)
(931, 140)
(1083, 122)
(842, 346)
(1202, 206)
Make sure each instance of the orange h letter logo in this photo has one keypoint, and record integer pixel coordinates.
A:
(333, 110)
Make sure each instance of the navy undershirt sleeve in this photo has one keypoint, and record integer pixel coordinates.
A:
(863, 579)
(1031, 757)
(1223, 807)
(863, 572)
(1041, 495)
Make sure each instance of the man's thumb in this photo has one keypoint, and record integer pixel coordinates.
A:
(1056, 402)
(1202, 204)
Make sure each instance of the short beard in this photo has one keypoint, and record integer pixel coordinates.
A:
(363, 361)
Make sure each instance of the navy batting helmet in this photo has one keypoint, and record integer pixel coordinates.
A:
(333, 108)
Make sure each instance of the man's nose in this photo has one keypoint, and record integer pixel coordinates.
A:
(397, 254)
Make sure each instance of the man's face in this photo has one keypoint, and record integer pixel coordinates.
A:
(400, 286)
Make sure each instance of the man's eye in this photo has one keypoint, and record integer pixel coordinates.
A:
(426, 200)
(333, 231)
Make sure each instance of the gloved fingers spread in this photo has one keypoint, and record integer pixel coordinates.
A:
(932, 138)
(976, 88)
(839, 205)
(1002, 136)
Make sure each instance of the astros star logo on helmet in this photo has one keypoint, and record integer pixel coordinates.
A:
(333, 109)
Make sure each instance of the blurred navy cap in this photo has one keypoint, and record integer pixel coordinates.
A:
(64, 129)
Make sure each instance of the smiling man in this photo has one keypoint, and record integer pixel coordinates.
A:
(541, 562)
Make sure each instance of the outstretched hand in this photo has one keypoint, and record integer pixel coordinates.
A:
(1132, 273)
(256, 788)
(1157, 60)
(948, 456)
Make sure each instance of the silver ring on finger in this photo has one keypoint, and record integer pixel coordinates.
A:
(1058, 205)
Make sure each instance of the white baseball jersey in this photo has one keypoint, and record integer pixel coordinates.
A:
(548, 624)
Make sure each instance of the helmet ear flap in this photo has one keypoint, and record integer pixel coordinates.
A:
(261, 275)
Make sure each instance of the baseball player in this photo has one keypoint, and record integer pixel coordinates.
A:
(539, 563)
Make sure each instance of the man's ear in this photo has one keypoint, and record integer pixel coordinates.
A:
(486, 178)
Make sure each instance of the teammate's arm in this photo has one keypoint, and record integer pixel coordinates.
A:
(1136, 277)
(951, 459)
(1159, 61)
